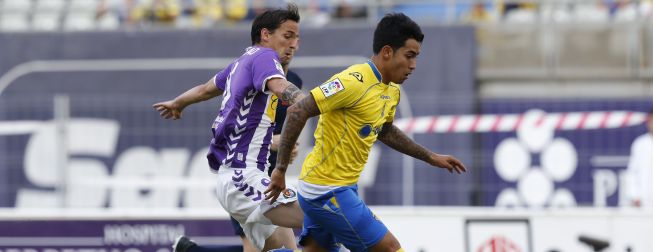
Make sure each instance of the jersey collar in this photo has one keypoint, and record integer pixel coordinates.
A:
(375, 70)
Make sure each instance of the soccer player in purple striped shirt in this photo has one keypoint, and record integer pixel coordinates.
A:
(242, 131)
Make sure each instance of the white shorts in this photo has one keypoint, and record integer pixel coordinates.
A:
(240, 192)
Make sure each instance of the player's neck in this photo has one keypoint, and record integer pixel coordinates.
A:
(379, 66)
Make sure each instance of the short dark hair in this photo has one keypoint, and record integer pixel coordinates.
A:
(272, 19)
(393, 30)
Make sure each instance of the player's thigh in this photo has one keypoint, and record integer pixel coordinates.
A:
(281, 237)
(238, 192)
(344, 215)
(286, 215)
(389, 243)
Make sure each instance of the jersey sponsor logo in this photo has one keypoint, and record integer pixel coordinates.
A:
(367, 129)
(271, 109)
(251, 50)
(332, 87)
(385, 97)
(357, 75)
(218, 120)
(278, 65)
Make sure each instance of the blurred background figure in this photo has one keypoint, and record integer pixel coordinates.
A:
(348, 9)
(518, 11)
(112, 13)
(160, 12)
(640, 167)
(479, 13)
(213, 13)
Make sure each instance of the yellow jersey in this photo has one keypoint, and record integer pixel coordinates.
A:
(354, 105)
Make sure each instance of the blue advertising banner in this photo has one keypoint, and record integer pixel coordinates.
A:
(564, 153)
(113, 235)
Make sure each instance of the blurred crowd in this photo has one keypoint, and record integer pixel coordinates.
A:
(206, 13)
(112, 14)
(210, 13)
(559, 11)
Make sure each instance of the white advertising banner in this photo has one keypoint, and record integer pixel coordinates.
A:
(518, 230)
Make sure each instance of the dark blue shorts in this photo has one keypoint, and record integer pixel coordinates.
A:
(341, 217)
(238, 230)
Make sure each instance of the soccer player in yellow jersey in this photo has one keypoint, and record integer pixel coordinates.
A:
(356, 107)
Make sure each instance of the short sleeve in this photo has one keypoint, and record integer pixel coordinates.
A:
(266, 66)
(339, 92)
(393, 108)
(220, 78)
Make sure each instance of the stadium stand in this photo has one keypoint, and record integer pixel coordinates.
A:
(113, 14)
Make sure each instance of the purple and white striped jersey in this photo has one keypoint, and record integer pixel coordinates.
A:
(242, 131)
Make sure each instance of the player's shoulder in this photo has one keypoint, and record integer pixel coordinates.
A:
(395, 88)
(355, 74)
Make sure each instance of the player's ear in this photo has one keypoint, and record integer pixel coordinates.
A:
(265, 35)
(386, 52)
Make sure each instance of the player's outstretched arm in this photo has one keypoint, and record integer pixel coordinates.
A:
(172, 108)
(396, 139)
(296, 117)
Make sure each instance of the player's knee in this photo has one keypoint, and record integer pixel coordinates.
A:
(281, 237)
(395, 247)
(388, 244)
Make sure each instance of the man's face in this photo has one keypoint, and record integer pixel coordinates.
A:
(404, 61)
(285, 41)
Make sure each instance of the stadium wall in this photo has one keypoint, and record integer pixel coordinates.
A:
(118, 153)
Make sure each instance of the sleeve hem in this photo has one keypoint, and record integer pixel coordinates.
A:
(264, 87)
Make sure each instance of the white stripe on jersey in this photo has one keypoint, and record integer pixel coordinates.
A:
(255, 145)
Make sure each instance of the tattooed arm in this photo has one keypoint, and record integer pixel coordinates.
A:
(296, 117)
(396, 139)
(285, 90)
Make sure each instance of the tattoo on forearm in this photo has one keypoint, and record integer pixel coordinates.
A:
(296, 118)
(396, 139)
(291, 94)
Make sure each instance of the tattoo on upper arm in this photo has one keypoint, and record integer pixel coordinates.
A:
(291, 94)
(309, 106)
